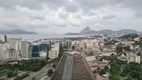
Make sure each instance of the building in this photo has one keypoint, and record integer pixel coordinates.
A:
(30, 50)
(7, 53)
(35, 51)
(38, 49)
(12, 54)
(66, 43)
(4, 54)
(43, 54)
(54, 52)
(131, 57)
(24, 49)
(3, 38)
(18, 47)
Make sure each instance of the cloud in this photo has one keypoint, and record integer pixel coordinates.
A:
(132, 4)
(32, 4)
(64, 15)
(138, 14)
(110, 16)
(97, 25)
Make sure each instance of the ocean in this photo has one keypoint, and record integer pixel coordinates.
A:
(32, 37)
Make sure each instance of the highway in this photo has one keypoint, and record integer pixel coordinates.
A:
(39, 74)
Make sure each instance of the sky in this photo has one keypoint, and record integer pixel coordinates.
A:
(62, 16)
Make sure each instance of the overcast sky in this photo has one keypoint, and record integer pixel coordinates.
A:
(61, 16)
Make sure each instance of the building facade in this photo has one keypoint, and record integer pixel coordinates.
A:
(54, 52)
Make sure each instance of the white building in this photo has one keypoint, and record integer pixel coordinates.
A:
(43, 54)
(20, 46)
(54, 52)
(13, 48)
(4, 54)
(131, 57)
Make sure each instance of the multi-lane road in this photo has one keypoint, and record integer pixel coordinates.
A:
(39, 74)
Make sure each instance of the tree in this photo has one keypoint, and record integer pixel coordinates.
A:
(134, 70)
(114, 77)
(54, 65)
(129, 36)
(134, 74)
(115, 68)
(50, 72)
(126, 69)
(33, 78)
(127, 48)
(10, 74)
(102, 71)
(129, 78)
(140, 77)
(119, 48)
(106, 68)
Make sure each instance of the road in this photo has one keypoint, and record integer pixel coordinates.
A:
(45, 78)
(39, 74)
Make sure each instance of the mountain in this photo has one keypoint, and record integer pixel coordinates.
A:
(16, 31)
(87, 31)
(72, 34)
(126, 31)
(106, 31)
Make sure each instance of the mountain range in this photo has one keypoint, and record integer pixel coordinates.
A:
(87, 31)
(16, 31)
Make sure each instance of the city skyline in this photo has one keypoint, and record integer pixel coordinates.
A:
(70, 39)
(50, 16)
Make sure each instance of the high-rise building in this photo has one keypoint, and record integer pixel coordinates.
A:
(3, 38)
(54, 52)
(24, 49)
(12, 54)
(4, 54)
(39, 49)
(20, 46)
(35, 51)
(30, 50)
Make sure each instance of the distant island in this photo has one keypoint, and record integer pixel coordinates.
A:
(16, 31)
(72, 34)
(87, 31)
